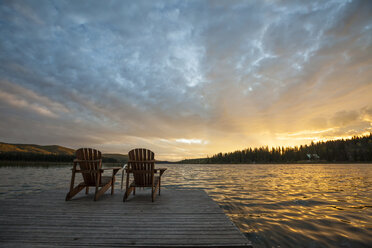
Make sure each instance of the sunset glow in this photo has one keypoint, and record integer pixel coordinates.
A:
(185, 79)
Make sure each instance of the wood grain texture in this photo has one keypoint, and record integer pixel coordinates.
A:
(89, 162)
(179, 218)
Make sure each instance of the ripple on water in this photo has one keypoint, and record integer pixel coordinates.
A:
(287, 205)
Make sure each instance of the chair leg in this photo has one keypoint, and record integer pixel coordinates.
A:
(134, 191)
(159, 184)
(155, 188)
(112, 186)
(125, 196)
(87, 190)
(71, 183)
(127, 193)
(101, 191)
(95, 195)
(74, 191)
(98, 179)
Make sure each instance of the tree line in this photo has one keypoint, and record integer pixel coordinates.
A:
(39, 157)
(356, 149)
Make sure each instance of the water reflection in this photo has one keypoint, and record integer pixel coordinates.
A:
(289, 205)
(274, 205)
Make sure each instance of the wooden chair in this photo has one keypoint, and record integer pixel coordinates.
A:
(141, 164)
(90, 163)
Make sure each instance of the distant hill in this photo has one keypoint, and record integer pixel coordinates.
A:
(117, 156)
(32, 152)
(32, 148)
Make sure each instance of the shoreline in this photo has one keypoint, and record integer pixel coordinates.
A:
(7, 163)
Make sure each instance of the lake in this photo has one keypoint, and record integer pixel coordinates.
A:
(274, 205)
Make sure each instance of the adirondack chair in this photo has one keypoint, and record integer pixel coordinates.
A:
(141, 164)
(90, 166)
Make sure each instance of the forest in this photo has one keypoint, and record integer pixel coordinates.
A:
(356, 149)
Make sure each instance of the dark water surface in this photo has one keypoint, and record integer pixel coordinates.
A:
(280, 205)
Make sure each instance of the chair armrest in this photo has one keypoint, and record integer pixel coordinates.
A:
(161, 170)
(112, 168)
(139, 171)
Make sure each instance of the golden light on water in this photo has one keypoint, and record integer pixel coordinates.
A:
(286, 205)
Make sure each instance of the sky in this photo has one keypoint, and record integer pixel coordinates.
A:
(186, 79)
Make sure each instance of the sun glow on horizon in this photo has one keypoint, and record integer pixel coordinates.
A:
(185, 80)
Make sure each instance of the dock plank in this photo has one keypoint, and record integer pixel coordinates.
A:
(178, 218)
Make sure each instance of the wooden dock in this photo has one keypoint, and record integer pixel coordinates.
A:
(178, 218)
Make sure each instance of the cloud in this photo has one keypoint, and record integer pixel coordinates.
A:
(124, 74)
(14, 101)
(343, 118)
(191, 141)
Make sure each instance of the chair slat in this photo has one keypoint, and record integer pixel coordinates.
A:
(141, 164)
(90, 163)
(141, 160)
(88, 155)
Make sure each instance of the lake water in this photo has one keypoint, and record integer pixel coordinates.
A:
(274, 205)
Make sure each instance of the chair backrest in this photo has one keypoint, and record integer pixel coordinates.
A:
(87, 157)
(141, 163)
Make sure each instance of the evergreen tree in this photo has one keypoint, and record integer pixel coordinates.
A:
(356, 149)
